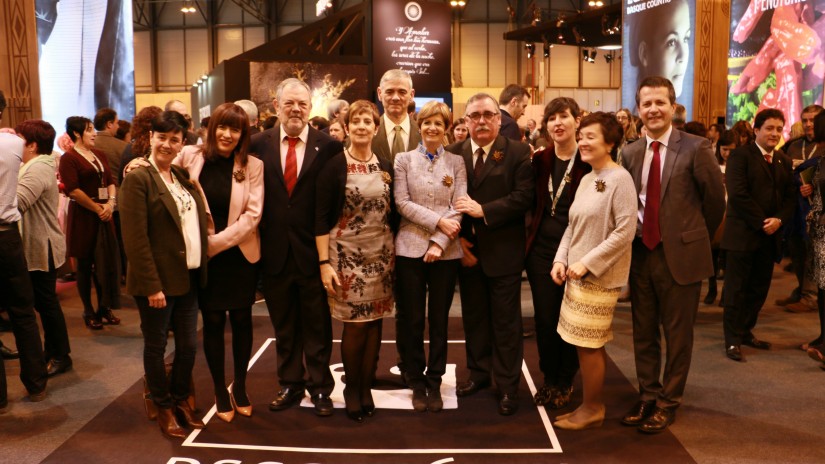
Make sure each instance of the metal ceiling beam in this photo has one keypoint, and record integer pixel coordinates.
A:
(256, 8)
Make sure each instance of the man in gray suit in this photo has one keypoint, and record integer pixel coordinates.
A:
(397, 133)
(679, 209)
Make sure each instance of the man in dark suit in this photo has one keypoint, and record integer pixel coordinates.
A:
(513, 101)
(493, 238)
(761, 197)
(681, 204)
(397, 132)
(293, 154)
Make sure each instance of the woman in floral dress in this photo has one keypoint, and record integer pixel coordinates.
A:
(354, 236)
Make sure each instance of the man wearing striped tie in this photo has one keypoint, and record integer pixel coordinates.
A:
(397, 133)
(681, 204)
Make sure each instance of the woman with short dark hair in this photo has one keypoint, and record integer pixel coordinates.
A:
(90, 232)
(43, 241)
(164, 236)
(594, 259)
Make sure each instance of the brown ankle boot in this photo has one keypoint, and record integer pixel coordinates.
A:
(186, 413)
(168, 424)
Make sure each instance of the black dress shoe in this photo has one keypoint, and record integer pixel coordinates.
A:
(508, 404)
(8, 353)
(659, 421)
(368, 410)
(287, 397)
(470, 387)
(733, 352)
(58, 366)
(323, 405)
(434, 401)
(710, 297)
(639, 412)
(756, 343)
(357, 416)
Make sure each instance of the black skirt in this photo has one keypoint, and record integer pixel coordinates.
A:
(231, 282)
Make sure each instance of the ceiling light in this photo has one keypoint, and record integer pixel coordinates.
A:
(595, 3)
(611, 47)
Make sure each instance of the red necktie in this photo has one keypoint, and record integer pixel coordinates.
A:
(768, 158)
(291, 167)
(650, 226)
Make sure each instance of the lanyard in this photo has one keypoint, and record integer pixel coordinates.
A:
(562, 184)
(806, 156)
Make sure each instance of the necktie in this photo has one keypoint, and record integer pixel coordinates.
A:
(768, 158)
(650, 226)
(397, 141)
(291, 165)
(479, 164)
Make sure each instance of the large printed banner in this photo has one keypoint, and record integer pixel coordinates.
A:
(413, 35)
(86, 58)
(658, 41)
(777, 58)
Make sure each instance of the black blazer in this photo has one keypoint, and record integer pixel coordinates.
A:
(756, 191)
(288, 222)
(509, 127)
(544, 162)
(505, 191)
(331, 191)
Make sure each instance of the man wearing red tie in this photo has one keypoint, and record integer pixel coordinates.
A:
(761, 197)
(293, 155)
(681, 203)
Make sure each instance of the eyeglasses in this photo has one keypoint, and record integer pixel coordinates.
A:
(488, 116)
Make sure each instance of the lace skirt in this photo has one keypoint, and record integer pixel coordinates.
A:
(587, 314)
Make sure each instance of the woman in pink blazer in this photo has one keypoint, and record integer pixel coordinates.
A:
(233, 186)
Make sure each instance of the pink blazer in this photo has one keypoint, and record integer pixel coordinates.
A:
(245, 206)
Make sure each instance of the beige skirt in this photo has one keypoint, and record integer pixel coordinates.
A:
(587, 314)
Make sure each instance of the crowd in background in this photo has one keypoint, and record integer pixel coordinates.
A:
(360, 216)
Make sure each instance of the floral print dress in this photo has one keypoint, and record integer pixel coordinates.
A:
(361, 246)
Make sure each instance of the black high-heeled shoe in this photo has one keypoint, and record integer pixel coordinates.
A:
(92, 322)
(368, 410)
(356, 416)
(107, 316)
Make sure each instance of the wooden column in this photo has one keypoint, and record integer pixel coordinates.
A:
(19, 76)
(712, 35)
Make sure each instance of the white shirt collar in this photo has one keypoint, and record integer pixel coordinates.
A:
(764, 152)
(390, 126)
(664, 139)
(304, 135)
(486, 148)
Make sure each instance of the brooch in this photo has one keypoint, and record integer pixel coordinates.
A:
(567, 178)
(498, 156)
(386, 176)
(239, 175)
(447, 181)
(600, 185)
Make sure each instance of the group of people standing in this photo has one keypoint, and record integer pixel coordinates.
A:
(388, 225)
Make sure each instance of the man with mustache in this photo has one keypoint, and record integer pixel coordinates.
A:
(293, 154)
(493, 238)
(761, 197)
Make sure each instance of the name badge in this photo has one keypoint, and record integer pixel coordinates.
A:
(103, 193)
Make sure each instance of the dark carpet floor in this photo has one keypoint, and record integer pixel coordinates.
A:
(467, 431)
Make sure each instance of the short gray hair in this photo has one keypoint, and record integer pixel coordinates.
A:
(334, 107)
(395, 74)
(482, 96)
(290, 82)
(250, 108)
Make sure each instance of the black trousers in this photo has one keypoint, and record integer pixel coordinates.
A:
(55, 335)
(299, 312)
(180, 315)
(491, 313)
(660, 304)
(558, 360)
(414, 278)
(747, 281)
(16, 296)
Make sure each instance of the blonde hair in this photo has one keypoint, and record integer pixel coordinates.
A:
(435, 108)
